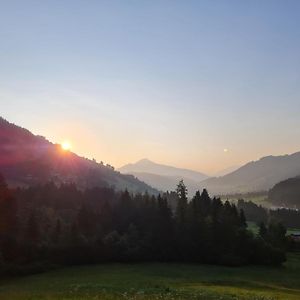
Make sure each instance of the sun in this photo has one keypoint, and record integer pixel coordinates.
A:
(66, 146)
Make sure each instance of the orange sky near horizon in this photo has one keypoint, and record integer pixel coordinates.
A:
(175, 82)
(114, 149)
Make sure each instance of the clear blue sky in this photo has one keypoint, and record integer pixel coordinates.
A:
(175, 81)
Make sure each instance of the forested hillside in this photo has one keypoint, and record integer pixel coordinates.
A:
(27, 159)
(260, 175)
(286, 193)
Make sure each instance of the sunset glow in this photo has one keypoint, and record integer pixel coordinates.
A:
(66, 146)
(205, 72)
(139, 136)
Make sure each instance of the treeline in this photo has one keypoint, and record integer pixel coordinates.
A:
(64, 225)
(286, 193)
(256, 213)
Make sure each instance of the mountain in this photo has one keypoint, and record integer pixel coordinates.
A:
(226, 171)
(163, 177)
(286, 193)
(147, 166)
(258, 175)
(166, 183)
(27, 159)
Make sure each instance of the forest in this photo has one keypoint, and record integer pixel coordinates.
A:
(257, 213)
(62, 225)
(286, 193)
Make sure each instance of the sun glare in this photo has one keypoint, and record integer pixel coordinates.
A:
(66, 145)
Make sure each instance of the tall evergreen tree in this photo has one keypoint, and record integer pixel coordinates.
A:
(57, 232)
(263, 230)
(32, 232)
(243, 222)
(181, 209)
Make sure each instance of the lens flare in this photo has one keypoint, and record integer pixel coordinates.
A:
(66, 146)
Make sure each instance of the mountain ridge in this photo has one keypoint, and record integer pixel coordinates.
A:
(163, 177)
(166, 183)
(259, 175)
(145, 164)
(27, 159)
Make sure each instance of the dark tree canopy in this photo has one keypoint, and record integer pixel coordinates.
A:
(286, 193)
(65, 225)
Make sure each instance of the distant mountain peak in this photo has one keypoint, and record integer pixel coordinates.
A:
(148, 166)
(163, 177)
(145, 161)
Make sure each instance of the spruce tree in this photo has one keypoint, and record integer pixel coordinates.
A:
(181, 209)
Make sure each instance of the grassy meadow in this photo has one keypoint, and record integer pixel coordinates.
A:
(159, 281)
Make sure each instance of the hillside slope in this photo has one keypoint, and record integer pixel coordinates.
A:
(148, 166)
(167, 183)
(27, 159)
(258, 175)
(286, 193)
(164, 177)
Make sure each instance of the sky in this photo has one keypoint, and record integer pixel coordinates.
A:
(203, 85)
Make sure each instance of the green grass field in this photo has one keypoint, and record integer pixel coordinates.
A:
(159, 281)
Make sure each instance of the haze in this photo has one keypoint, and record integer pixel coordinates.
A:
(200, 84)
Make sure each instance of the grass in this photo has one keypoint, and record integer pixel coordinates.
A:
(159, 281)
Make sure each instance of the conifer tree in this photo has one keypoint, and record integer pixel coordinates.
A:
(243, 222)
(181, 209)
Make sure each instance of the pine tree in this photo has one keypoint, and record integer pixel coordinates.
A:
(57, 232)
(263, 230)
(32, 228)
(243, 222)
(205, 203)
(181, 209)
